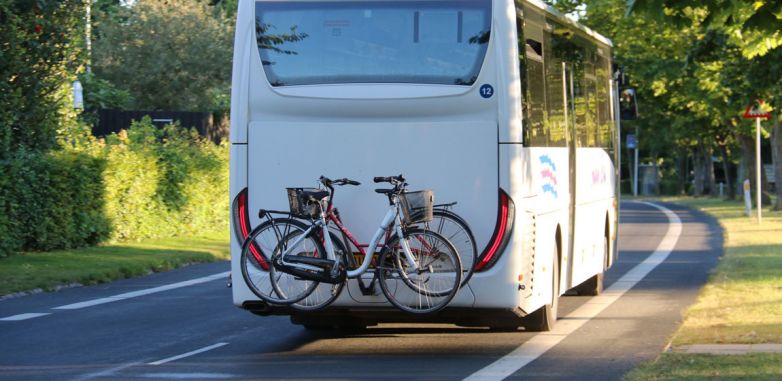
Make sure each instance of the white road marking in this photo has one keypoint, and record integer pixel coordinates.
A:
(24, 316)
(106, 373)
(188, 354)
(189, 376)
(542, 342)
(135, 294)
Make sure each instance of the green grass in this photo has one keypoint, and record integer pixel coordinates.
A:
(691, 367)
(740, 304)
(47, 270)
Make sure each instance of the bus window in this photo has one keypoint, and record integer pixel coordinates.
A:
(429, 42)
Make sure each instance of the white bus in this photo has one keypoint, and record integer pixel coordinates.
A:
(506, 107)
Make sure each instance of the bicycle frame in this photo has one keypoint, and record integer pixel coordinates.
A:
(391, 217)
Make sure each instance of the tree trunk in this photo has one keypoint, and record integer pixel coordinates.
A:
(776, 149)
(731, 191)
(700, 173)
(708, 170)
(682, 170)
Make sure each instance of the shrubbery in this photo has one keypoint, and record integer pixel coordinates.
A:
(144, 182)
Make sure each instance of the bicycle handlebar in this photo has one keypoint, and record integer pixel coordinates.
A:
(395, 180)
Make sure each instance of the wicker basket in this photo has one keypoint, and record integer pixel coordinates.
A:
(300, 206)
(417, 206)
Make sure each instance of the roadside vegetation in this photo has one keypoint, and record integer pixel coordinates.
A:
(25, 272)
(741, 303)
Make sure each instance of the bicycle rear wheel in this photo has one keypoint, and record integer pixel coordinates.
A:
(255, 261)
(455, 229)
(325, 293)
(431, 287)
(290, 288)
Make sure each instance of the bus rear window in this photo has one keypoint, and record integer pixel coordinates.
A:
(428, 42)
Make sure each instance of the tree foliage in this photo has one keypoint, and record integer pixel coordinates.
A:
(40, 49)
(167, 54)
(758, 23)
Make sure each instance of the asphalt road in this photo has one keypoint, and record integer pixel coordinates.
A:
(181, 325)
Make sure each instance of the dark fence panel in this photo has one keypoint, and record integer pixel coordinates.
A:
(111, 121)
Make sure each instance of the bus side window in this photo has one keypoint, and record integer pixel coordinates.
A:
(556, 125)
(535, 95)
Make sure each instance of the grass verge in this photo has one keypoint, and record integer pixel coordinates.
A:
(91, 265)
(740, 304)
(691, 367)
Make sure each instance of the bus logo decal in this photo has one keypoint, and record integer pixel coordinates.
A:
(548, 174)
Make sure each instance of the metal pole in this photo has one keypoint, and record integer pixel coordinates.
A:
(88, 34)
(758, 164)
(635, 170)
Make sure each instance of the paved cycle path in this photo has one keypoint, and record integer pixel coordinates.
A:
(194, 332)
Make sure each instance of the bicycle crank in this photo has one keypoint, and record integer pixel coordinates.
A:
(324, 271)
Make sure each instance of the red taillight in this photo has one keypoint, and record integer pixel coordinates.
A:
(242, 227)
(502, 231)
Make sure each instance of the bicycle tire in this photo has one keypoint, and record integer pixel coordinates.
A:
(325, 293)
(267, 238)
(291, 288)
(455, 229)
(411, 291)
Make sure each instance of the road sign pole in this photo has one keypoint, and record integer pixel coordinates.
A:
(755, 111)
(758, 164)
(635, 171)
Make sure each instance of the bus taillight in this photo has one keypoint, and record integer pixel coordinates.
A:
(502, 231)
(242, 227)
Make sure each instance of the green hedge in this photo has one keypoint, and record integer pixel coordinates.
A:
(141, 183)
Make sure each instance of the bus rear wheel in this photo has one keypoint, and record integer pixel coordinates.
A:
(545, 317)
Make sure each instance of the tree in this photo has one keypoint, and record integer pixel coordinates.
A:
(168, 54)
(40, 53)
(755, 29)
(757, 23)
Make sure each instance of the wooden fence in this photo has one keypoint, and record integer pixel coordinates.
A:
(207, 124)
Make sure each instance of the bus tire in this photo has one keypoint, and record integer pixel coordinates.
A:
(545, 317)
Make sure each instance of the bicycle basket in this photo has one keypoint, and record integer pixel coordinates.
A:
(301, 206)
(417, 206)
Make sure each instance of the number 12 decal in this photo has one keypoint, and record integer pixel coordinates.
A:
(487, 91)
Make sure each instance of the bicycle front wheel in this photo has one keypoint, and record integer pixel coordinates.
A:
(431, 286)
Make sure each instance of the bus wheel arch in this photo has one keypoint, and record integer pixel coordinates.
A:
(544, 318)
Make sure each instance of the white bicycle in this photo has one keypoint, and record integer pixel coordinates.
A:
(419, 270)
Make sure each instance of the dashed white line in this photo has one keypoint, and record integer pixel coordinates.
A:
(24, 316)
(542, 342)
(135, 294)
(188, 354)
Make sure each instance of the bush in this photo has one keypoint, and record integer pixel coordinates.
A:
(165, 182)
(141, 183)
(51, 201)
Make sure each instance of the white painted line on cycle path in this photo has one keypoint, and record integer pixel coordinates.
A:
(188, 354)
(24, 316)
(148, 291)
(542, 342)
